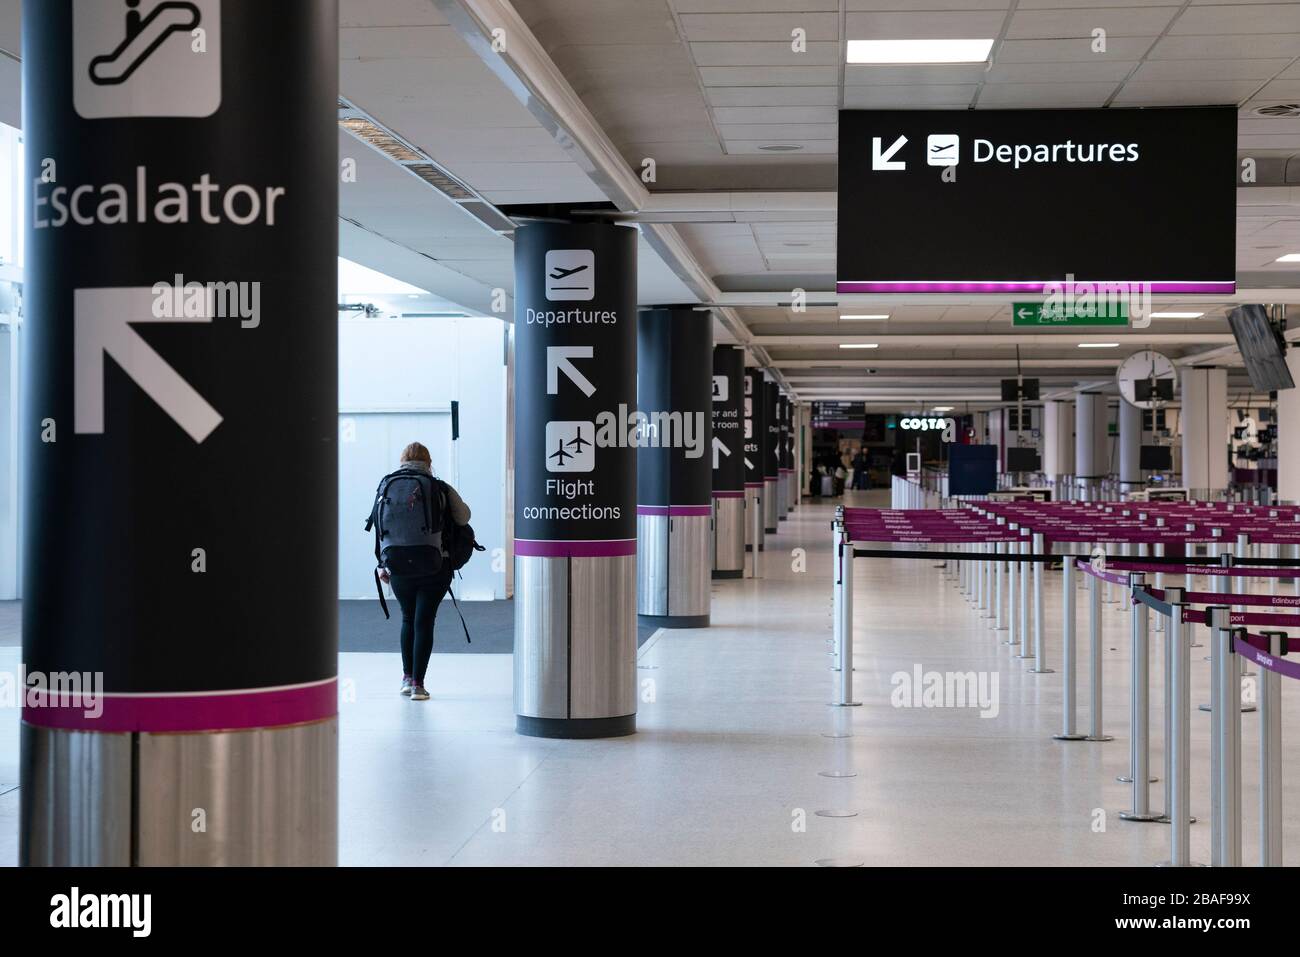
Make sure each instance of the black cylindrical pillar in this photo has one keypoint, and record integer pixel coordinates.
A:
(728, 462)
(755, 430)
(785, 461)
(181, 414)
(771, 456)
(674, 474)
(576, 431)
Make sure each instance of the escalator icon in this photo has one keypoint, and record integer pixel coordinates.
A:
(146, 57)
(144, 35)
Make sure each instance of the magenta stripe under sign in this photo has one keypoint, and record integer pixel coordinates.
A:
(585, 548)
(187, 712)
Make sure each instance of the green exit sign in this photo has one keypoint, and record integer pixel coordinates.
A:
(1050, 314)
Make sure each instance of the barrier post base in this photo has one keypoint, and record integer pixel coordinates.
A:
(1071, 737)
(1149, 818)
(1100, 737)
(1042, 671)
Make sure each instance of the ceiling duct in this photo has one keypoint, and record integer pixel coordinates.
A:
(421, 165)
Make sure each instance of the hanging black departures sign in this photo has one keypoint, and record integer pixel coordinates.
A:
(181, 363)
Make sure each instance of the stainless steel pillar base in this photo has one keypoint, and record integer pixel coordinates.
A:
(672, 585)
(753, 502)
(782, 496)
(728, 536)
(575, 645)
(265, 797)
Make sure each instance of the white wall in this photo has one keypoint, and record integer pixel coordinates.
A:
(403, 374)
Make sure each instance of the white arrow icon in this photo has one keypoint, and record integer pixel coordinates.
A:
(102, 320)
(886, 159)
(557, 358)
(749, 465)
(1023, 313)
(719, 447)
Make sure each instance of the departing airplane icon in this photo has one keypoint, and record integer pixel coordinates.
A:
(562, 273)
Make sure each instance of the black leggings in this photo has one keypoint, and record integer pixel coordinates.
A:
(419, 596)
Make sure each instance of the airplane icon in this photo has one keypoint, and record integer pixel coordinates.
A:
(560, 455)
(562, 273)
(572, 452)
(570, 275)
(578, 442)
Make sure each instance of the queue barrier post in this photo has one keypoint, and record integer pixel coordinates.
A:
(1178, 742)
(1000, 609)
(1024, 595)
(837, 581)
(1070, 704)
(844, 686)
(1139, 708)
(1094, 659)
(1270, 756)
(1040, 636)
(1013, 617)
(1225, 743)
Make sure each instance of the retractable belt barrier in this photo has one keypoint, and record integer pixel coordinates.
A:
(997, 547)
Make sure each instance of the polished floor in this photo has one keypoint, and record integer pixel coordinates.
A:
(736, 738)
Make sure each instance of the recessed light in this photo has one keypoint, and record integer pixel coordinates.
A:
(1176, 315)
(918, 51)
(859, 345)
(781, 148)
(868, 315)
(1289, 258)
(942, 408)
(1099, 345)
(412, 295)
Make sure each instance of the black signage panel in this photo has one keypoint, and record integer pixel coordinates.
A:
(755, 427)
(728, 419)
(771, 432)
(674, 363)
(181, 366)
(1009, 200)
(577, 427)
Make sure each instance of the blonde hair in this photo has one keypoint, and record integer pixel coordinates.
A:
(415, 452)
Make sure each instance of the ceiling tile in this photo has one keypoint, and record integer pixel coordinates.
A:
(769, 76)
(1045, 95)
(938, 24)
(1221, 20)
(902, 97)
(1081, 21)
(810, 146)
(779, 131)
(775, 27)
(864, 74)
(1235, 47)
(1069, 72)
(756, 53)
(775, 114)
(1186, 93)
(1077, 49)
(1158, 70)
(773, 95)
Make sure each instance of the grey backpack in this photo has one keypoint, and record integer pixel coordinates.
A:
(407, 519)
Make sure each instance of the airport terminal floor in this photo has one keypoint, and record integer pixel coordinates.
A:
(735, 741)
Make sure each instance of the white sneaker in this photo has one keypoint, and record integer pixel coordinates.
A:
(407, 685)
(419, 694)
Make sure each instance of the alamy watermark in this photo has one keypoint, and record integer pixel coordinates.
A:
(213, 300)
(53, 689)
(946, 689)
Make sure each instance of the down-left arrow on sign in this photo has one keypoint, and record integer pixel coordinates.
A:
(102, 320)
